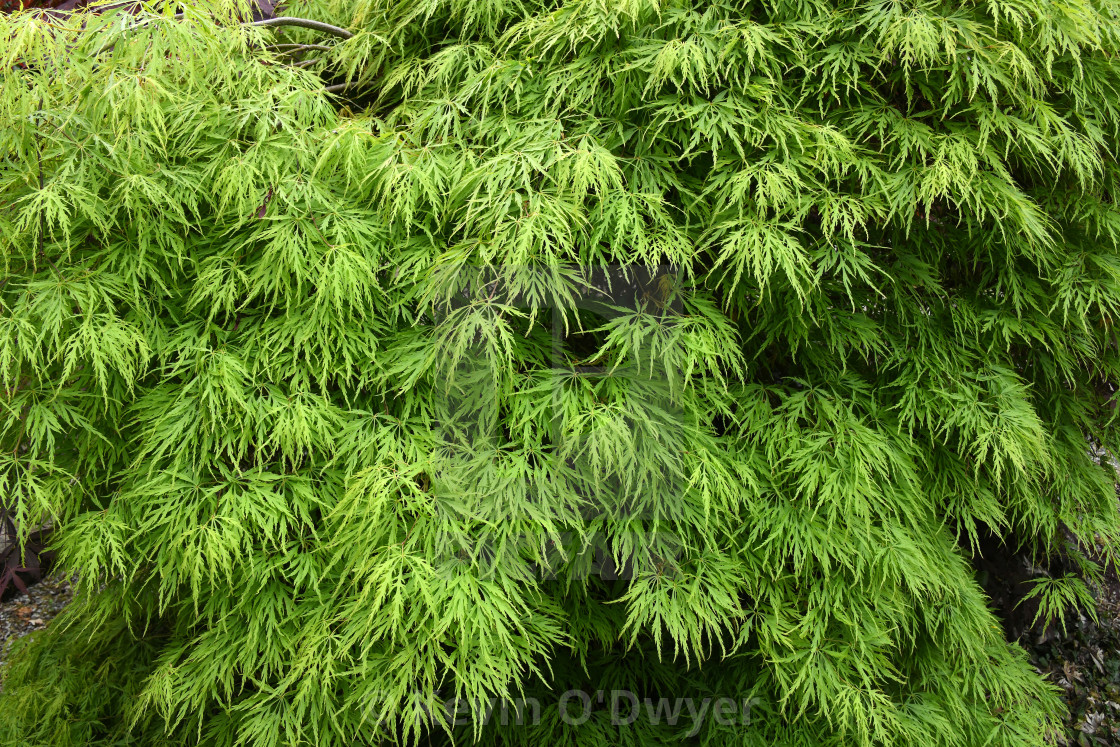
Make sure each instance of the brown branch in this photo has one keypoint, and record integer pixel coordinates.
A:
(340, 87)
(306, 23)
(292, 48)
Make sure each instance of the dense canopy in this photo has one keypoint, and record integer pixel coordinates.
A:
(462, 352)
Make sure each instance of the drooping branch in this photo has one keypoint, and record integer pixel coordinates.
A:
(341, 87)
(306, 23)
(293, 48)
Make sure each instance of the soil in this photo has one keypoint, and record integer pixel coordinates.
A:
(1085, 662)
(32, 611)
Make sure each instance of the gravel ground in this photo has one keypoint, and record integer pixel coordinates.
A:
(32, 611)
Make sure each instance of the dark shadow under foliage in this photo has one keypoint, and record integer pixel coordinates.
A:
(10, 6)
(23, 561)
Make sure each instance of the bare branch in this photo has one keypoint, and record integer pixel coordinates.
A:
(306, 23)
(340, 87)
(291, 48)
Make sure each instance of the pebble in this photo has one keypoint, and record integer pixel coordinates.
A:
(32, 611)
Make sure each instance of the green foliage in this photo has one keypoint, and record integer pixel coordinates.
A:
(1056, 596)
(335, 396)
